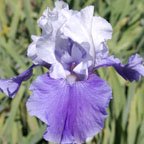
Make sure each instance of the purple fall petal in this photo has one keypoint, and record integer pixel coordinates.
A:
(72, 112)
(131, 71)
(11, 86)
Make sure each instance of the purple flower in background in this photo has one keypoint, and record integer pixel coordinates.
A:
(70, 98)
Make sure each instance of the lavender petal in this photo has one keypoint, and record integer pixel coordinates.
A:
(11, 86)
(72, 112)
(131, 71)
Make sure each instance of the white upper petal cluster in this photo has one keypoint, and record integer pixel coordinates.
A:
(71, 41)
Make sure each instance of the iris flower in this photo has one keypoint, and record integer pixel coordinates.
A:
(70, 98)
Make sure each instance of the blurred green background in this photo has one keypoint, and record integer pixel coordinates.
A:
(18, 21)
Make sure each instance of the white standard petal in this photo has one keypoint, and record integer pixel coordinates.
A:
(45, 50)
(78, 26)
(61, 5)
(57, 71)
(52, 20)
(32, 53)
(83, 27)
(82, 69)
(101, 31)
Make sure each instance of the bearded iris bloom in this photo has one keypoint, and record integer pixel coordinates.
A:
(70, 98)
